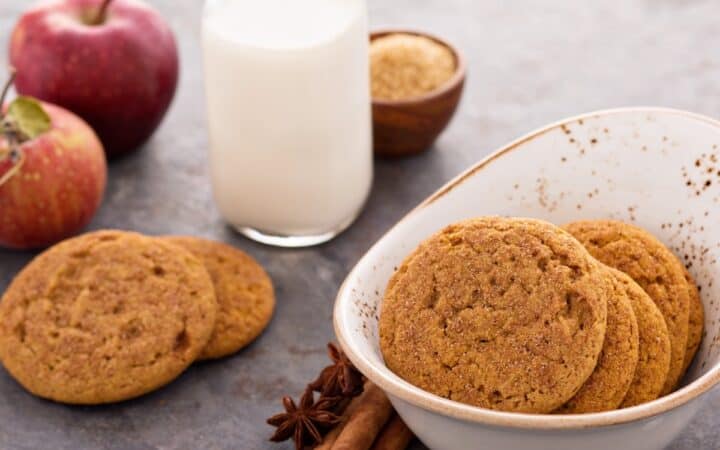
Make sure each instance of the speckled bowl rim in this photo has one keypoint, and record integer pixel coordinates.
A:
(405, 391)
(452, 83)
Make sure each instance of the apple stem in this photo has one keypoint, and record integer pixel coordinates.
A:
(7, 130)
(17, 158)
(5, 91)
(102, 12)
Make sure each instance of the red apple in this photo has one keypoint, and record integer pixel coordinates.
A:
(51, 184)
(114, 63)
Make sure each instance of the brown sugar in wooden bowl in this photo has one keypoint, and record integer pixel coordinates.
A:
(409, 126)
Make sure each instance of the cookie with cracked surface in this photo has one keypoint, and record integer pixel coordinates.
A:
(105, 317)
(502, 313)
(609, 383)
(646, 260)
(696, 322)
(654, 353)
(244, 292)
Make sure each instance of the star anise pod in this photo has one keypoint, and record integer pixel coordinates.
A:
(306, 422)
(339, 379)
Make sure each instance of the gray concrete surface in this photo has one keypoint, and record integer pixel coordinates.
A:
(530, 62)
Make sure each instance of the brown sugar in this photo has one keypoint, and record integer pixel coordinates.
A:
(405, 65)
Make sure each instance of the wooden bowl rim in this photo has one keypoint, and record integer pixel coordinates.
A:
(457, 78)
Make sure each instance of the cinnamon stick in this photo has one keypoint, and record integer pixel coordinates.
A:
(332, 436)
(363, 426)
(395, 436)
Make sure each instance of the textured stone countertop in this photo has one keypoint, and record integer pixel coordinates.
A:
(530, 62)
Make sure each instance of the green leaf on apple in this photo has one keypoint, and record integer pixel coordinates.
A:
(28, 115)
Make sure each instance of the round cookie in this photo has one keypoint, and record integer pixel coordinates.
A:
(654, 353)
(607, 386)
(506, 314)
(646, 260)
(244, 294)
(105, 317)
(696, 323)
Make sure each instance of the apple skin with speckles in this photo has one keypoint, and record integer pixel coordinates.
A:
(58, 188)
(119, 75)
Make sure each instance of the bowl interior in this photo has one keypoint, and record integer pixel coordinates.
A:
(657, 168)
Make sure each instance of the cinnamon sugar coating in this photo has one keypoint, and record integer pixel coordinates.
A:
(105, 317)
(654, 352)
(245, 296)
(696, 322)
(507, 314)
(609, 383)
(646, 260)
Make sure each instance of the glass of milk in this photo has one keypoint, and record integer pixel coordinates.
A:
(288, 105)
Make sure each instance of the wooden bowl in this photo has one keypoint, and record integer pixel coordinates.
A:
(409, 126)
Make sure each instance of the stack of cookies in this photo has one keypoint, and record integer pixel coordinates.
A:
(520, 315)
(112, 315)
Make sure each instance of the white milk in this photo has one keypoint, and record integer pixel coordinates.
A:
(288, 104)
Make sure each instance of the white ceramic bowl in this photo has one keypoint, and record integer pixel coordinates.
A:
(658, 168)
